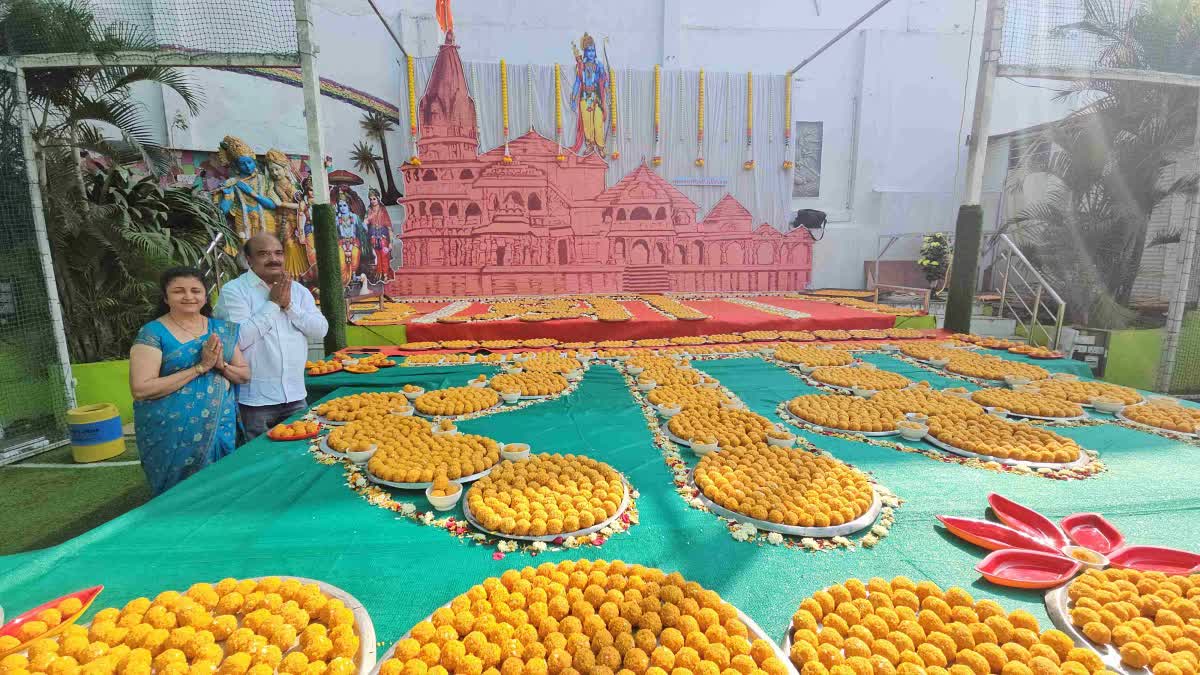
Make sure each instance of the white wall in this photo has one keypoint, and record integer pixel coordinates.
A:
(891, 95)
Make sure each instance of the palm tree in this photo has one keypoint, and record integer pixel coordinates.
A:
(69, 103)
(366, 161)
(377, 127)
(1107, 166)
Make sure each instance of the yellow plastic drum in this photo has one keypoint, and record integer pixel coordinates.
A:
(96, 432)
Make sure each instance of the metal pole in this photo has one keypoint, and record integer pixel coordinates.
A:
(387, 27)
(311, 80)
(1175, 312)
(43, 240)
(1004, 288)
(1033, 317)
(989, 63)
(839, 36)
(1058, 322)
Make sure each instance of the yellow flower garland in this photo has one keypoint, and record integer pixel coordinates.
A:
(700, 121)
(787, 122)
(657, 160)
(507, 159)
(412, 111)
(558, 117)
(612, 111)
(749, 163)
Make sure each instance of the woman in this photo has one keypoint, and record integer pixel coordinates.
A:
(182, 369)
(379, 231)
(285, 190)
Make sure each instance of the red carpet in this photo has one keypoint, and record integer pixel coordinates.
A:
(726, 317)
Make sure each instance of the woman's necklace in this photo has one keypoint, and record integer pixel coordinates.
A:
(193, 334)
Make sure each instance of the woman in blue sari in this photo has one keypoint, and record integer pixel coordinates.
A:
(182, 369)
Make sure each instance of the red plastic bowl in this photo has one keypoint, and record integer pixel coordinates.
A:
(86, 596)
(1025, 519)
(993, 536)
(1027, 569)
(1091, 530)
(1155, 559)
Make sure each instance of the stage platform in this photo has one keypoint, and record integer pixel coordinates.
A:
(726, 315)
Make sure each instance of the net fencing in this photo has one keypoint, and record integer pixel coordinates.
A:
(32, 381)
(224, 27)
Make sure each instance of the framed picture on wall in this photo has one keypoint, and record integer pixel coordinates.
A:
(806, 174)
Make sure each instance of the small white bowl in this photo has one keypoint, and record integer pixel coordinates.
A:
(514, 452)
(350, 362)
(362, 457)
(478, 384)
(889, 347)
(863, 393)
(622, 357)
(1087, 564)
(647, 386)
(1010, 380)
(438, 431)
(413, 395)
(959, 394)
(1110, 408)
(634, 370)
(401, 412)
(702, 449)
(513, 370)
(511, 398)
(733, 405)
(782, 442)
(805, 368)
(709, 385)
(521, 357)
(916, 417)
(996, 412)
(443, 503)
(1066, 377)
(668, 411)
(939, 363)
(913, 434)
(574, 375)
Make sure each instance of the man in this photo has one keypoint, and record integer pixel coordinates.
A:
(278, 316)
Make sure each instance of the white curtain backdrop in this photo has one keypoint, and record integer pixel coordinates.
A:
(765, 190)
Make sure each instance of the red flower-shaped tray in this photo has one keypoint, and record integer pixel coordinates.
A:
(13, 628)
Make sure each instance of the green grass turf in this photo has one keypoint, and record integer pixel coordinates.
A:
(45, 507)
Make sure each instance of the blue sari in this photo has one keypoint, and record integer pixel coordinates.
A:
(185, 431)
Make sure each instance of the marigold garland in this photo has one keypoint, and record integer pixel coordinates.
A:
(507, 159)
(749, 163)
(700, 121)
(558, 115)
(612, 113)
(657, 160)
(415, 160)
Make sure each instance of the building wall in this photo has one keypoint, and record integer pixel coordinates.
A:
(894, 96)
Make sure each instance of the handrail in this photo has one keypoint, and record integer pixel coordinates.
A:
(1021, 256)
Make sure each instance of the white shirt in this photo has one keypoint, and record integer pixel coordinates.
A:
(273, 340)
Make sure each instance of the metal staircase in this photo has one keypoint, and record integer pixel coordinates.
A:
(1025, 293)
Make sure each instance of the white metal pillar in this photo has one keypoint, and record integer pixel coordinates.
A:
(311, 80)
(1166, 368)
(43, 240)
(989, 63)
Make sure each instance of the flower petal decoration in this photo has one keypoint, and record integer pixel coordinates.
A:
(1025, 519)
(13, 627)
(1027, 569)
(994, 536)
(1155, 559)
(1093, 531)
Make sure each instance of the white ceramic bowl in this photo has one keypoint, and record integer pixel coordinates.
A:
(622, 357)
(668, 411)
(520, 357)
(478, 384)
(1065, 377)
(863, 393)
(805, 368)
(782, 442)
(401, 412)
(1110, 408)
(574, 375)
(514, 452)
(634, 370)
(438, 431)
(916, 417)
(1011, 380)
(939, 363)
(443, 503)
(710, 385)
(1087, 564)
(959, 394)
(413, 395)
(511, 398)
(889, 347)
(513, 370)
(702, 449)
(362, 457)
(646, 386)
(914, 434)
(996, 412)
(733, 405)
